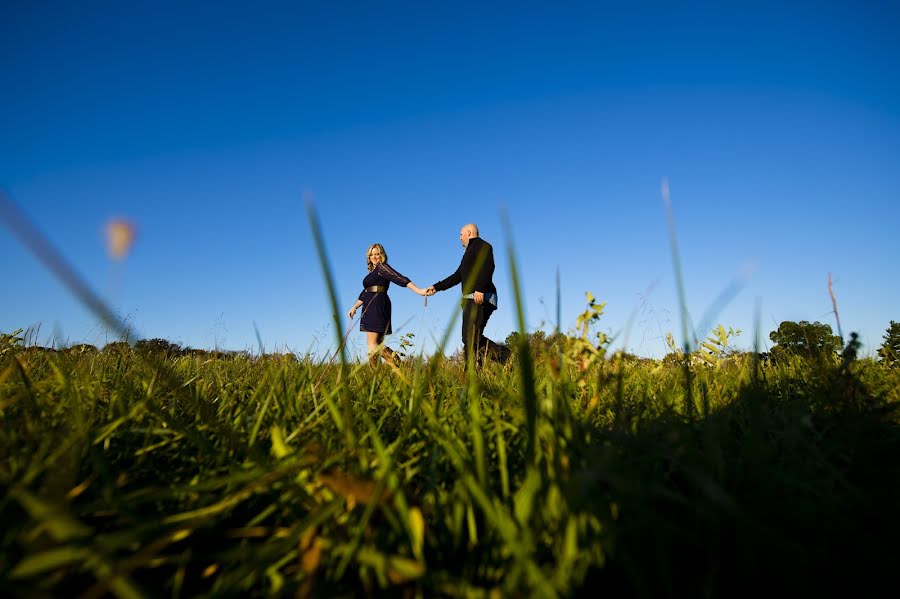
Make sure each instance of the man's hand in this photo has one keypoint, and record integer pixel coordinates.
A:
(478, 297)
(430, 291)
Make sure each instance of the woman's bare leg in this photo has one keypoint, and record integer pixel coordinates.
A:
(373, 340)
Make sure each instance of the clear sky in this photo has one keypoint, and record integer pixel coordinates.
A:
(777, 125)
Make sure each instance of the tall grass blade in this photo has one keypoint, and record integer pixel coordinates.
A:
(725, 296)
(316, 229)
(689, 343)
(259, 341)
(38, 244)
(686, 327)
(558, 304)
(335, 312)
(526, 368)
(837, 317)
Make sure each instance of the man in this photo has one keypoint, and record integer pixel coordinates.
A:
(475, 273)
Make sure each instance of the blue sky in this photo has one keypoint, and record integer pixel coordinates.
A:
(776, 124)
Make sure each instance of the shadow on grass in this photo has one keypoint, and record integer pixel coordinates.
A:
(790, 489)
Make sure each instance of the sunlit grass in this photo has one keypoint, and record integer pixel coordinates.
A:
(182, 476)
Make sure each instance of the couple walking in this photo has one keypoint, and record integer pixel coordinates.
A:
(475, 273)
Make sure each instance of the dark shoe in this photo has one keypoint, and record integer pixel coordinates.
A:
(495, 351)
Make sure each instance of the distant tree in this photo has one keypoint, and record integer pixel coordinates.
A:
(540, 344)
(811, 340)
(628, 357)
(158, 346)
(38, 349)
(889, 352)
(276, 357)
(82, 348)
(116, 346)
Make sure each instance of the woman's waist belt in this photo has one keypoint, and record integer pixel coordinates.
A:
(377, 288)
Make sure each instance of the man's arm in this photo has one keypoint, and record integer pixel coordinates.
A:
(449, 282)
(478, 255)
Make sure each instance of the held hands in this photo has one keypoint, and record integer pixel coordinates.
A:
(430, 291)
(416, 289)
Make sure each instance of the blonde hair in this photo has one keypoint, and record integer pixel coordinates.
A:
(375, 246)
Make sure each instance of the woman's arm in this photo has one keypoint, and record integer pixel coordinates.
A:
(387, 271)
(355, 307)
(412, 286)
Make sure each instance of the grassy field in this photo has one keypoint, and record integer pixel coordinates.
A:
(140, 474)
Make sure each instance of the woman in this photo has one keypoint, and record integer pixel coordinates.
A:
(375, 321)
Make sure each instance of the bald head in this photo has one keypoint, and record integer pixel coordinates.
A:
(468, 232)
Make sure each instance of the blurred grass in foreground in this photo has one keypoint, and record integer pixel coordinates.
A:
(139, 474)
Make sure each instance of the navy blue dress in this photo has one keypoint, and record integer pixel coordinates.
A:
(376, 308)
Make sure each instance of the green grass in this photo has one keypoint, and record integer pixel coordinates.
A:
(140, 475)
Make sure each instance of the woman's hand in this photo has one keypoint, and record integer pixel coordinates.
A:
(351, 312)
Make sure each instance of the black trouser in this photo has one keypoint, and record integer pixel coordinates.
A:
(474, 319)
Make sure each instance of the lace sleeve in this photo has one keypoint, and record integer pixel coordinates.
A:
(386, 271)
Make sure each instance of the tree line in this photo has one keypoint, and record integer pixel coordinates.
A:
(814, 340)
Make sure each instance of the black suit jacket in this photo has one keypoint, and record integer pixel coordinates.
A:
(476, 270)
